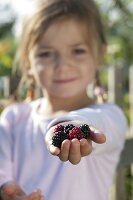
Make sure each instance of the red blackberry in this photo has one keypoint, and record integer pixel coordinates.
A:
(86, 130)
(58, 128)
(58, 138)
(75, 133)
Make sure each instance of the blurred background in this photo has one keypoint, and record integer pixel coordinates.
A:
(116, 75)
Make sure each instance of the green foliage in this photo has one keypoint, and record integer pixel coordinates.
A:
(118, 19)
(6, 29)
(7, 52)
(104, 77)
(1, 109)
(7, 41)
(126, 106)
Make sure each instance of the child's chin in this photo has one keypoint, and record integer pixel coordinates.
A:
(65, 96)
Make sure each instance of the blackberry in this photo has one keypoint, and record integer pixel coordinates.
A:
(58, 138)
(68, 127)
(86, 130)
(69, 132)
(58, 128)
(75, 133)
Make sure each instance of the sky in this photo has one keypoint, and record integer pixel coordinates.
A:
(21, 7)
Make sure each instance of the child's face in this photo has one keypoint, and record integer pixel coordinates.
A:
(62, 62)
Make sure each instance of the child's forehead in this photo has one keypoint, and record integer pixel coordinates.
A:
(68, 27)
(68, 20)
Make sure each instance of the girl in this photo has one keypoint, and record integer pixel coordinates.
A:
(62, 46)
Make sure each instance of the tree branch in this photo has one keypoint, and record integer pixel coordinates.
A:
(121, 5)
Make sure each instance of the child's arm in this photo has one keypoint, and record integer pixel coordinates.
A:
(12, 191)
(107, 119)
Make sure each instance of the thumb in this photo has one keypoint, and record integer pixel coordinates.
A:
(98, 137)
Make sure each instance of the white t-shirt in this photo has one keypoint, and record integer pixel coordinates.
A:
(24, 156)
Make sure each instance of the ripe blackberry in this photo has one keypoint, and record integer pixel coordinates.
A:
(58, 138)
(58, 128)
(68, 127)
(86, 130)
(75, 133)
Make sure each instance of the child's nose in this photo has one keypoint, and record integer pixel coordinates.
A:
(63, 62)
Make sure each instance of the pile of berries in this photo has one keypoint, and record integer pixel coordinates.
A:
(70, 132)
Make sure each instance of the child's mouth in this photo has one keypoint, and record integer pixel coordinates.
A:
(62, 81)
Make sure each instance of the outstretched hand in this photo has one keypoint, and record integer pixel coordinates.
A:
(74, 149)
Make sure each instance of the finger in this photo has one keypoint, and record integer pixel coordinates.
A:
(97, 136)
(64, 150)
(40, 195)
(74, 153)
(54, 150)
(85, 147)
(36, 193)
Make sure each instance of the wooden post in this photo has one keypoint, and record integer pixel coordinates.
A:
(131, 99)
(115, 84)
(131, 109)
(115, 95)
(120, 185)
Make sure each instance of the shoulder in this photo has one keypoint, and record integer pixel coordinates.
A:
(15, 111)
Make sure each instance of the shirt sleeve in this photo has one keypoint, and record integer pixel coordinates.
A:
(107, 118)
(6, 146)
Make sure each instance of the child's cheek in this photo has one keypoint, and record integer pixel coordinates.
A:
(39, 68)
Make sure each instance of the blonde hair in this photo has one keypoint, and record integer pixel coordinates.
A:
(48, 12)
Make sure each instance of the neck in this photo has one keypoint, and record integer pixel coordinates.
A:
(53, 105)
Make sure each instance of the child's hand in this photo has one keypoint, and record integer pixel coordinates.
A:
(74, 149)
(11, 191)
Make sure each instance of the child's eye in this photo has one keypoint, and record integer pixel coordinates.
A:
(46, 54)
(79, 51)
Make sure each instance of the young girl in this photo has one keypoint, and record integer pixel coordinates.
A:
(62, 46)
